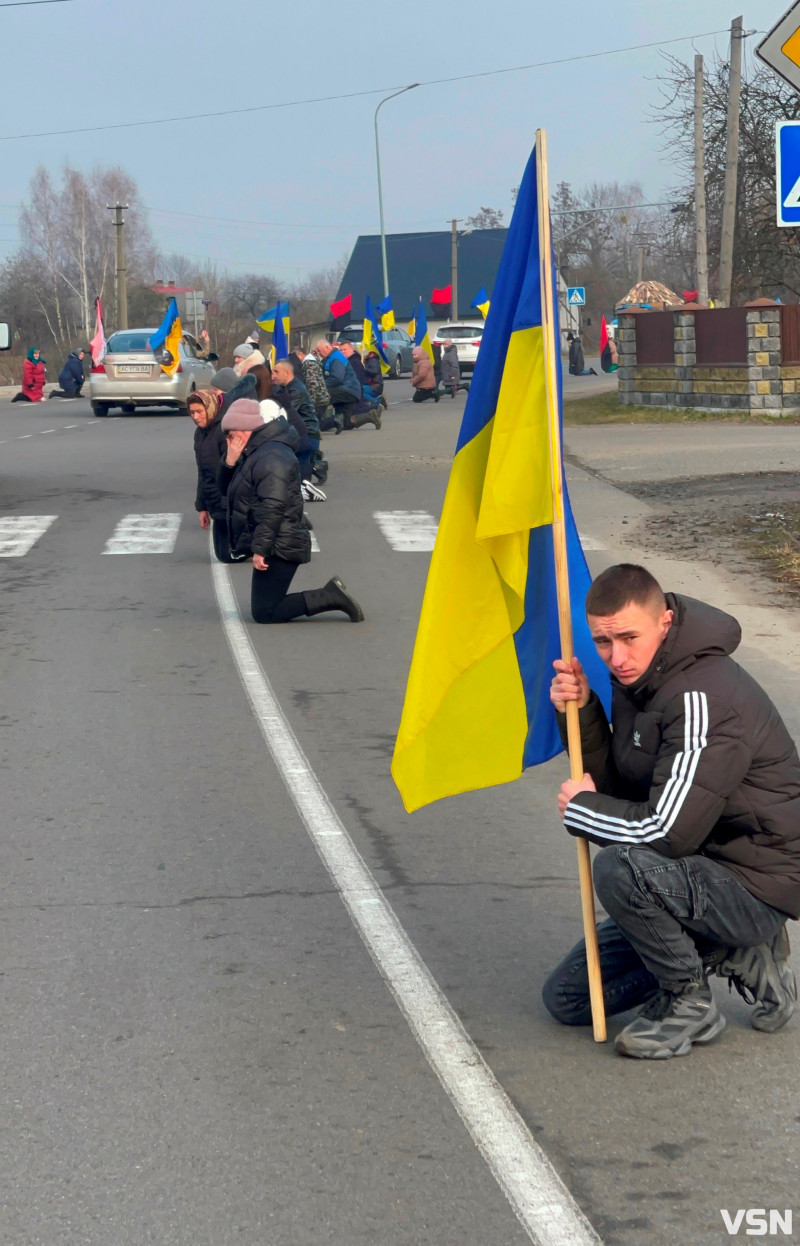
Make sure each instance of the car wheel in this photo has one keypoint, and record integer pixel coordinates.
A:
(100, 408)
(128, 408)
(397, 367)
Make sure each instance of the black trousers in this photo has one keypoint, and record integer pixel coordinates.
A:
(270, 600)
(222, 545)
(422, 395)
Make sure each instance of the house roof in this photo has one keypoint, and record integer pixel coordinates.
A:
(419, 263)
(161, 288)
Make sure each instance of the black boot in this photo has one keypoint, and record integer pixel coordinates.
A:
(333, 596)
(367, 417)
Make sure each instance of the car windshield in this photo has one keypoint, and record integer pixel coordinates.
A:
(129, 342)
(460, 332)
(351, 335)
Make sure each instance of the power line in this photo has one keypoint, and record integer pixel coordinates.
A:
(326, 99)
(28, 4)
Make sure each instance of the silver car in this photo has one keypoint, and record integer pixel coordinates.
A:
(130, 374)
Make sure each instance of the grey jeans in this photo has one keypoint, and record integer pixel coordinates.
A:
(666, 915)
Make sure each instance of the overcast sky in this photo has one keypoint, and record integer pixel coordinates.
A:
(446, 149)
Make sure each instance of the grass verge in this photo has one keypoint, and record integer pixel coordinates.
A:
(772, 539)
(607, 409)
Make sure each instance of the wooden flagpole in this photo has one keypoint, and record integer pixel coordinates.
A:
(562, 577)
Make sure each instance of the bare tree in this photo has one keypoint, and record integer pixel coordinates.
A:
(766, 257)
(486, 218)
(69, 248)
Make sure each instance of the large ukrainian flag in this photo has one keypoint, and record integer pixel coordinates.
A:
(477, 708)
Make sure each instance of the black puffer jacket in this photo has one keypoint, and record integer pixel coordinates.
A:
(265, 506)
(699, 762)
(209, 450)
(244, 388)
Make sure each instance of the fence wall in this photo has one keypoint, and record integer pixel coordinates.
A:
(732, 359)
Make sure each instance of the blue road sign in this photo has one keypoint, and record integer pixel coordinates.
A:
(576, 295)
(787, 171)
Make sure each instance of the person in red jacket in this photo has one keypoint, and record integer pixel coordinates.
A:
(33, 377)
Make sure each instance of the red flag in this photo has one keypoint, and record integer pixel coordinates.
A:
(343, 307)
(690, 296)
(603, 335)
(98, 343)
(444, 295)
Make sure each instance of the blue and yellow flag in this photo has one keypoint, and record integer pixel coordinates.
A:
(371, 340)
(421, 330)
(267, 320)
(384, 310)
(477, 709)
(280, 332)
(168, 335)
(481, 301)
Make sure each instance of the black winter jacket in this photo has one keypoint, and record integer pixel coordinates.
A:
(265, 506)
(699, 762)
(244, 388)
(209, 450)
(296, 394)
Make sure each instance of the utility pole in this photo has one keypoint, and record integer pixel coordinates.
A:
(122, 280)
(454, 269)
(731, 164)
(640, 267)
(701, 237)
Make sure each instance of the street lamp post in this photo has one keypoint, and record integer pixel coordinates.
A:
(385, 100)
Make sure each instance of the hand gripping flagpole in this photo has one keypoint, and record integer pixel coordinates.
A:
(562, 577)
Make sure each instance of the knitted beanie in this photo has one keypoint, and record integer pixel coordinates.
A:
(242, 416)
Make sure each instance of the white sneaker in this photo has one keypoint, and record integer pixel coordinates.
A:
(312, 493)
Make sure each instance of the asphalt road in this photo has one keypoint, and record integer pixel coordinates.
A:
(197, 1048)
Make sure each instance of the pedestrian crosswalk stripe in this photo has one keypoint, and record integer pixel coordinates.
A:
(19, 533)
(590, 543)
(314, 543)
(144, 534)
(408, 531)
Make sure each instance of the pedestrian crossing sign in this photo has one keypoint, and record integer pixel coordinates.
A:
(787, 172)
(576, 296)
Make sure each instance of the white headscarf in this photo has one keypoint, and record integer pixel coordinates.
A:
(270, 410)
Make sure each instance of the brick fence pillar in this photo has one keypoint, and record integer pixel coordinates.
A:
(685, 349)
(764, 359)
(626, 346)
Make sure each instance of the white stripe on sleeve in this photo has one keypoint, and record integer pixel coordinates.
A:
(684, 766)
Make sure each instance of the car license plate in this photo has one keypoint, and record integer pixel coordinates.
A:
(140, 369)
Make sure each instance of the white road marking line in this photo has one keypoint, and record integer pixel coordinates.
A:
(408, 531)
(314, 544)
(415, 531)
(542, 1202)
(19, 533)
(42, 431)
(144, 534)
(23, 436)
(70, 425)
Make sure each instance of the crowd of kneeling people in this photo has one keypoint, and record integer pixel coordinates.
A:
(259, 461)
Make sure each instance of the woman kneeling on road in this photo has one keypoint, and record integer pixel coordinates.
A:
(260, 477)
(422, 377)
(205, 408)
(34, 373)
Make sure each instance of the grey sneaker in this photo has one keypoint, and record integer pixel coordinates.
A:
(763, 977)
(669, 1023)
